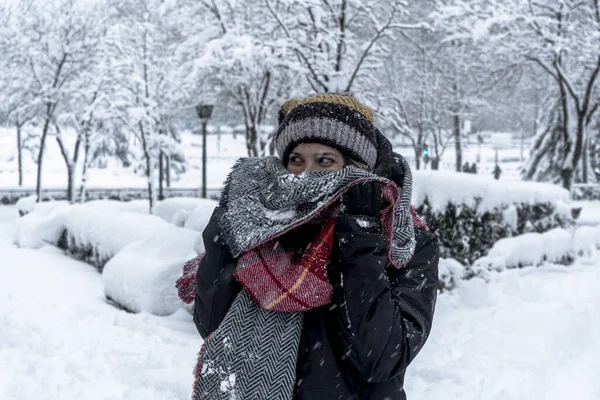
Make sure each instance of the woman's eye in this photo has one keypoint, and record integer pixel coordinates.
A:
(326, 161)
(295, 160)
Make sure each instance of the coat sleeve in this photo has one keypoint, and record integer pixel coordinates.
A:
(384, 315)
(216, 288)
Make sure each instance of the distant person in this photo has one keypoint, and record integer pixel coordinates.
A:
(319, 280)
(474, 168)
(466, 168)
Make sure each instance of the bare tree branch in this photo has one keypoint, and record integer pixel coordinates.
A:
(301, 56)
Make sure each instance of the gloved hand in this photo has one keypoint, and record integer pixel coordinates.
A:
(363, 199)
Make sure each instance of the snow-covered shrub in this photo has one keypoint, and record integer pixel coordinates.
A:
(141, 276)
(26, 204)
(42, 224)
(558, 246)
(470, 213)
(94, 233)
(198, 218)
(186, 212)
(176, 209)
(450, 273)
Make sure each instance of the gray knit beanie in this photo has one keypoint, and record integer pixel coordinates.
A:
(336, 120)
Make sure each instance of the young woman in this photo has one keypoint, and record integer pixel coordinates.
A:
(319, 280)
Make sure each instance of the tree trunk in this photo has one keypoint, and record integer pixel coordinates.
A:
(251, 140)
(204, 155)
(161, 173)
(168, 171)
(579, 141)
(38, 187)
(566, 176)
(435, 161)
(566, 170)
(457, 142)
(20, 152)
(585, 160)
(71, 183)
(70, 164)
(84, 172)
(149, 176)
(419, 148)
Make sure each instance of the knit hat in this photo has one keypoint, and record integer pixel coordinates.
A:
(336, 120)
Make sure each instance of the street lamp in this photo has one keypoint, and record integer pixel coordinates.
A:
(204, 112)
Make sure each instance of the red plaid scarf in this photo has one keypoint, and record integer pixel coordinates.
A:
(277, 280)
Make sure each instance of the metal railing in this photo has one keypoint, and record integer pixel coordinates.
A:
(12, 195)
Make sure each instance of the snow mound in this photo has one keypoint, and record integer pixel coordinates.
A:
(26, 204)
(175, 210)
(42, 227)
(532, 249)
(185, 212)
(590, 212)
(198, 218)
(450, 273)
(142, 275)
(442, 187)
(135, 206)
(105, 230)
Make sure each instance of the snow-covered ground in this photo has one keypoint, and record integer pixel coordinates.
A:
(59, 339)
(527, 334)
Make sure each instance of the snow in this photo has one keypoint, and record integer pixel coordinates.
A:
(527, 334)
(188, 212)
(141, 276)
(531, 333)
(590, 212)
(441, 187)
(532, 249)
(176, 210)
(42, 227)
(109, 230)
(450, 272)
(61, 340)
(198, 218)
(140, 255)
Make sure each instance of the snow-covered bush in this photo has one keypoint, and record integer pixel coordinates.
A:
(142, 275)
(450, 272)
(175, 210)
(558, 246)
(189, 212)
(94, 233)
(470, 213)
(26, 204)
(198, 218)
(42, 227)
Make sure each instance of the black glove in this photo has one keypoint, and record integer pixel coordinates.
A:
(363, 199)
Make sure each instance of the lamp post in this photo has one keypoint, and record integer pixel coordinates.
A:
(204, 112)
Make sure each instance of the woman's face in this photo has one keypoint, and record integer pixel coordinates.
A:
(308, 157)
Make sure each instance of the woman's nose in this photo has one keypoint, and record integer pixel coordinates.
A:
(310, 166)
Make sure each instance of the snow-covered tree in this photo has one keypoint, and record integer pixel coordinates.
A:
(235, 56)
(340, 44)
(142, 62)
(52, 45)
(562, 40)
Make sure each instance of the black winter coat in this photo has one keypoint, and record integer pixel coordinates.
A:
(359, 346)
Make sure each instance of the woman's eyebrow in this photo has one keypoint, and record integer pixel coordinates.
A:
(325, 154)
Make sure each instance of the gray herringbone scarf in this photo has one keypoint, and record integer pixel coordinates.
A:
(252, 354)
